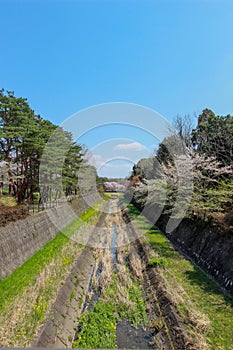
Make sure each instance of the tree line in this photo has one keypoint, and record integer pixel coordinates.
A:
(23, 136)
(209, 147)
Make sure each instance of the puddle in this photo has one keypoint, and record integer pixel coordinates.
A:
(114, 246)
(110, 209)
(95, 293)
(129, 337)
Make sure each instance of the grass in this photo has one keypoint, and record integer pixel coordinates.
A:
(28, 310)
(199, 300)
(7, 201)
(27, 294)
(157, 262)
(26, 274)
(97, 329)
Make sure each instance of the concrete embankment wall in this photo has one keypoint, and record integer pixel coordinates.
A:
(208, 248)
(21, 239)
(205, 244)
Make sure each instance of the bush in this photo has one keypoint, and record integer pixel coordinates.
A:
(36, 196)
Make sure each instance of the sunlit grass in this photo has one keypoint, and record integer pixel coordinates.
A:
(27, 294)
(97, 328)
(7, 201)
(201, 301)
(27, 273)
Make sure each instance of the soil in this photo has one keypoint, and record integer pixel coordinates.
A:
(9, 214)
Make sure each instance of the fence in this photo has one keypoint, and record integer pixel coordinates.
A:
(40, 206)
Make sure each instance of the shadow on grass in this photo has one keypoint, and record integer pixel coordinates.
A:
(200, 278)
(133, 211)
(160, 244)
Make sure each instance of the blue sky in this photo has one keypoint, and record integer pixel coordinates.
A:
(175, 57)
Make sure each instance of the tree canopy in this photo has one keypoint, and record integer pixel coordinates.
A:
(209, 147)
(23, 136)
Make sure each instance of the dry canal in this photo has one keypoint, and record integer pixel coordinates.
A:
(125, 286)
(114, 301)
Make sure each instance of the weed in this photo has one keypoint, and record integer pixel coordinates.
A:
(80, 301)
(72, 295)
(97, 329)
(157, 262)
(157, 324)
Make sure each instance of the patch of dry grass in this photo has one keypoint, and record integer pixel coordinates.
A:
(197, 322)
(7, 201)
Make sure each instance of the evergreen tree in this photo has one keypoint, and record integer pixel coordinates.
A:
(23, 136)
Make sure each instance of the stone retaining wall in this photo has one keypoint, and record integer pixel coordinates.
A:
(21, 239)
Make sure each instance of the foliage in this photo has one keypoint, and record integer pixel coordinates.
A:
(214, 136)
(209, 158)
(97, 329)
(23, 136)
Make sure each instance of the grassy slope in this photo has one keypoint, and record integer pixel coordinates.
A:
(27, 273)
(199, 299)
(27, 294)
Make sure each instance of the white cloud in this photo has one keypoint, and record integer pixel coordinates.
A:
(133, 146)
(97, 160)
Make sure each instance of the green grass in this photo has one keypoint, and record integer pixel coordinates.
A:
(200, 292)
(27, 273)
(28, 293)
(109, 195)
(157, 262)
(97, 329)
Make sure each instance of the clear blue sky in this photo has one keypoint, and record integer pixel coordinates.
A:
(173, 56)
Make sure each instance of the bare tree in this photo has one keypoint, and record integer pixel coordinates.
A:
(184, 126)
